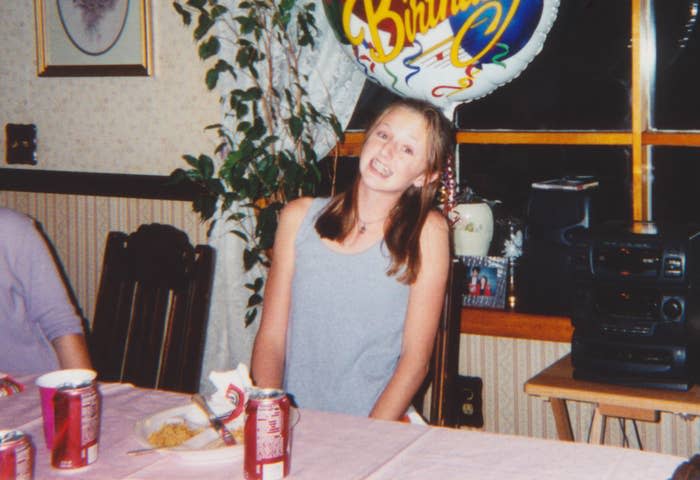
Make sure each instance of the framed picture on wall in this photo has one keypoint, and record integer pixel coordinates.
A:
(486, 282)
(86, 38)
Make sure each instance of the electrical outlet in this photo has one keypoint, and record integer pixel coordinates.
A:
(21, 143)
(467, 403)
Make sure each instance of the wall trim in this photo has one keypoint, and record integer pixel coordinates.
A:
(97, 184)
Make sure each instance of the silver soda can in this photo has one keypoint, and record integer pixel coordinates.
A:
(9, 386)
(16, 456)
(77, 426)
(267, 435)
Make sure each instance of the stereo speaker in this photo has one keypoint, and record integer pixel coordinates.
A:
(544, 280)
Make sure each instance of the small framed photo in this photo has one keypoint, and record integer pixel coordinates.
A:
(78, 38)
(486, 282)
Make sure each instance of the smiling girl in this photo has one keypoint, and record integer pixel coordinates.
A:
(357, 282)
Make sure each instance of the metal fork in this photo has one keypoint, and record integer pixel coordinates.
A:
(215, 422)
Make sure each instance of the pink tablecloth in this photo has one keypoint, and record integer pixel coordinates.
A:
(338, 447)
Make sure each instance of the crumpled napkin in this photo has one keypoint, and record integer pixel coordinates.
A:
(231, 395)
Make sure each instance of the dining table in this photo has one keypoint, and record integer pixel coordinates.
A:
(331, 446)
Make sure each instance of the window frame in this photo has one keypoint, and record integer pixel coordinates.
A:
(640, 139)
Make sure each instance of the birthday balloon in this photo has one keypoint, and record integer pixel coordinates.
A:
(444, 51)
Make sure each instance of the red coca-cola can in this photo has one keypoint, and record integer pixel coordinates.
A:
(76, 426)
(267, 435)
(16, 456)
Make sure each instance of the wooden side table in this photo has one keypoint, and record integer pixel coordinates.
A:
(556, 383)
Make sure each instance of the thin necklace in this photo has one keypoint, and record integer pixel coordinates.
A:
(362, 225)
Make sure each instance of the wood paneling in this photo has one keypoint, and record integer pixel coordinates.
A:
(499, 323)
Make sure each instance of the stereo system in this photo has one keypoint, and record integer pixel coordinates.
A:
(636, 304)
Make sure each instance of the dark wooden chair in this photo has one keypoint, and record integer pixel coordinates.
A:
(152, 309)
(442, 377)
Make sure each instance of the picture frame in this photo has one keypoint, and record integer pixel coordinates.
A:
(485, 285)
(110, 39)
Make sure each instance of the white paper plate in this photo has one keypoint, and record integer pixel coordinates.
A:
(203, 447)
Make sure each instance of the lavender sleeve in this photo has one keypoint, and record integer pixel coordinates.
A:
(34, 305)
(47, 301)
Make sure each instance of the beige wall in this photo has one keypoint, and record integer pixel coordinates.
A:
(108, 124)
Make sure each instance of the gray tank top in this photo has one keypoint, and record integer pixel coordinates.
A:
(345, 325)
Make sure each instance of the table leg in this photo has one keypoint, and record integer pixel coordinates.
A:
(561, 419)
(597, 427)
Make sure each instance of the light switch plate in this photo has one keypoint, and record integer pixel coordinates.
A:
(21, 143)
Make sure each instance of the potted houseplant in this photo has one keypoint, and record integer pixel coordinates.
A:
(266, 154)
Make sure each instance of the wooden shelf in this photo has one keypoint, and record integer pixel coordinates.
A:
(500, 323)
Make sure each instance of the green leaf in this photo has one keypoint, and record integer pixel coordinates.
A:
(296, 126)
(237, 216)
(233, 158)
(218, 10)
(337, 128)
(209, 48)
(252, 94)
(253, 187)
(205, 165)
(203, 25)
(259, 282)
(286, 5)
(267, 225)
(177, 177)
(241, 110)
(250, 316)
(254, 299)
(212, 78)
(250, 258)
(186, 16)
(240, 234)
(205, 205)
(243, 126)
(257, 130)
(246, 24)
(198, 4)
(269, 140)
(191, 160)
(243, 58)
(309, 154)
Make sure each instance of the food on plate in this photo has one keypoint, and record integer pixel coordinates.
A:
(171, 435)
(238, 435)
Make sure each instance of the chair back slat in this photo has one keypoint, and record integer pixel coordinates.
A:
(152, 308)
(188, 332)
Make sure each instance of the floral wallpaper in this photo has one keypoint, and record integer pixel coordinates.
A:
(108, 124)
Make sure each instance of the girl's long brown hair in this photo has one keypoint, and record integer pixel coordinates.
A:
(406, 219)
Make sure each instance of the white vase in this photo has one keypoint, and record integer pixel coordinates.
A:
(473, 229)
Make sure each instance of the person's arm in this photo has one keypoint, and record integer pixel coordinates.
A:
(72, 351)
(48, 303)
(425, 303)
(267, 362)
